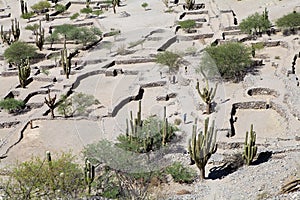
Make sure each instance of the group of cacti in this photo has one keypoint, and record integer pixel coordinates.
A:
(136, 130)
(14, 31)
(23, 7)
(202, 145)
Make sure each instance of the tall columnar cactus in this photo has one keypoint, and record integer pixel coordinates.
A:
(5, 36)
(65, 60)
(24, 72)
(89, 174)
(207, 95)
(40, 37)
(190, 4)
(114, 4)
(250, 149)
(87, 3)
(15, 29)
(166, 133)
(135, 123)
(51, 103)
(22, 6)
(202, 146)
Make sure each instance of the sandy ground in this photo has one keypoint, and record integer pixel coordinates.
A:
(273, 131)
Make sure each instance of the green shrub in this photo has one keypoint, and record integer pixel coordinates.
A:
(40, 6)
(187, 24)
(180, 173)
(177, 121)
(258, 45)
(60, 8)
(74, 16)
(277, 57)
(86, 10)
(61, 178)
(291, 20)
(27, 15)
(11, 104)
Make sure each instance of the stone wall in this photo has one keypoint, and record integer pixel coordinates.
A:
(153, 84)
(168, 43)
(8, 124)
(201, 36)
(134, 61)
(9, 73)
(262, 91)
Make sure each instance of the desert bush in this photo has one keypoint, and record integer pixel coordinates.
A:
(145, 5)
(86, 10)
(74, 16)
(59, 178)
(170, 59)
(76, 105)
(11, 104)
(60, 8)
(232, 60)
(187, 24)
(180, 173)
(28, 15)
(41, 6)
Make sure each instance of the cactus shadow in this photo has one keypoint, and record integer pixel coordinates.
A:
(263, 157)
(233, 164)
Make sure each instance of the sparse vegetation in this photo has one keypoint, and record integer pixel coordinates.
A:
(170, 59)
(74, 16)
(11, 104)
(76, 105)
(187, 24)
(43, 178)
(180, 173)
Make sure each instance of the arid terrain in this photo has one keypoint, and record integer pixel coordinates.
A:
(268, 99)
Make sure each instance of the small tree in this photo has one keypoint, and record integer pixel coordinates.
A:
(169, 59)
(256, 23)
(290, 21)
(18, 52)
(202, 146)
(232, 60)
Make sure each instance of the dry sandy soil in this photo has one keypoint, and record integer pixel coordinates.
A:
(277, 132)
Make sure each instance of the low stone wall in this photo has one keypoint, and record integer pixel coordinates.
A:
(168, 43)
(46, 67)
(201, 36)
(153, 84)
(8, 124)
(250, 105)
(45, 79)
(231, 28)
(83, 76)
(166, 97)
(233, 32)
(134, 61)
(5, 16)
(197, 12)
(272, 43)
(9, 73)
(262, 91)
(131, 72)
